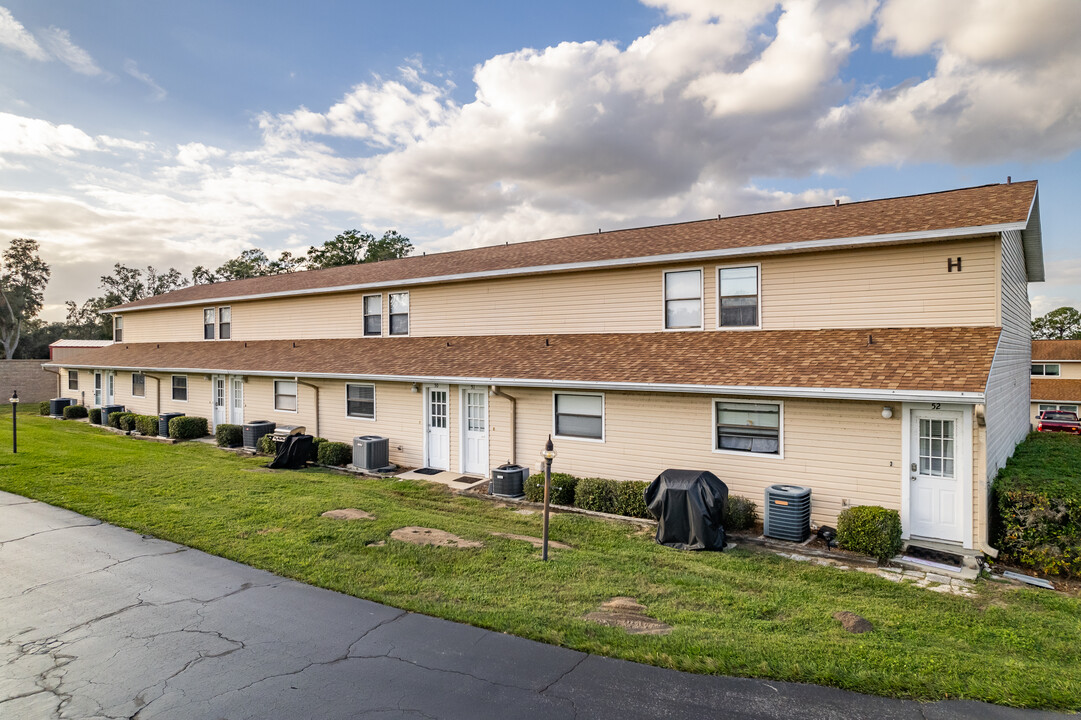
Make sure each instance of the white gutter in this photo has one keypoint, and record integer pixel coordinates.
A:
(889, 238)
(756, 390)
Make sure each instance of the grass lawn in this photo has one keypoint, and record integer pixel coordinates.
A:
(735, 613)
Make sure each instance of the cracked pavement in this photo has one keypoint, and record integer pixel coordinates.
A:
(100, 622)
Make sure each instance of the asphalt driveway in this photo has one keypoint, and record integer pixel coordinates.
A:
(99, 622)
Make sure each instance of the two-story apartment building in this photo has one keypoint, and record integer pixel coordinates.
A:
(877, 352)
(1056, 376)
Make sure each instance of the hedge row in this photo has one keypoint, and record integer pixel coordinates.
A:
(188, 427)
(229, 435)
(43, 408)
(1036, 505)
(76, 411)
(870, 529)
(623, 497)
(94, 415)
(146, 425)
(334, 453)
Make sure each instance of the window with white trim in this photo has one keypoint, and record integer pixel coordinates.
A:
(208, 323)
(373, 315)
(285, 395)
(360, 400)
(73, 379)
(683, 300)
(180, 388)
(225, 323)
(579, 415)
(737, 296)
(138, 385)
(1046, 369)
(118, 328)
(750, 427)
(399, 313)
(1063, 408)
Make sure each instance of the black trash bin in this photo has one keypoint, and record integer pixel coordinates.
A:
(163, 422)
(689, 507)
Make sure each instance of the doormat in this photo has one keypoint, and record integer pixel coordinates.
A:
(928, 555)
(428, 471)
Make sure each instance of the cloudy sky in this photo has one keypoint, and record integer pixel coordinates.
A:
(182, 133)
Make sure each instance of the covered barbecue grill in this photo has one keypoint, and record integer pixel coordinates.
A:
(689, 507)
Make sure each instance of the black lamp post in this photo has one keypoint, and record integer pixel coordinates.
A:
(14, 424)
(549, 455)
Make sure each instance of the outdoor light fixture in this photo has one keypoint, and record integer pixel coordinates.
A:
(415, 388)
(887, 412)
(15, 426)
(549, 454)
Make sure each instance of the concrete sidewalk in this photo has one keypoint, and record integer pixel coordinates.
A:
(99, 622)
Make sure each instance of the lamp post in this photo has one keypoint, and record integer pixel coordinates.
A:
(14, 424)
(549, 455)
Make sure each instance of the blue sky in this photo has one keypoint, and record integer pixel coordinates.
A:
(180, 134)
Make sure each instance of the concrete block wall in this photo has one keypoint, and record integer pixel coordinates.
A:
(26, 376)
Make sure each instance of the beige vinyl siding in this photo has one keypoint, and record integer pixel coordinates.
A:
(896, 286)
(85, 394)
(1008, 383)
(844, 450)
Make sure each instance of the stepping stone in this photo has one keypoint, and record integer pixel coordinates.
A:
(348, 514)
(526, 511)
(535, 541)
(852, 622)
(629, 614)
(431, 536)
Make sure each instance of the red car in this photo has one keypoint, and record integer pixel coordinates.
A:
(1058, 421)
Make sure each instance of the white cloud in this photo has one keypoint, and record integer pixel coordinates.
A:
(13, 35)
(157, 92)
(31, 136)
(63, 49)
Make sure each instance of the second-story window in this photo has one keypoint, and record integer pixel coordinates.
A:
(737, 291)
(373, 314)
(399, 313)
(225, 323)
(118, 328)
(208, 323)
(683, 300)
(1046, 370)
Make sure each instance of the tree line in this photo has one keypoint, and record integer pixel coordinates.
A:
(24, 277)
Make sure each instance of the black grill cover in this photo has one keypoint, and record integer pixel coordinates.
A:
(689, 507)
(293, 453)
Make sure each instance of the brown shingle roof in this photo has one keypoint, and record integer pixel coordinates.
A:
(911, 359)
(1056, 390)
(970, 207)
(1056, 350)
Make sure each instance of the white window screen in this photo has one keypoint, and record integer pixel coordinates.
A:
(360, 401)
(738, 293)
(579, 416)
(285, 395)
(749, 427)
(683, 299)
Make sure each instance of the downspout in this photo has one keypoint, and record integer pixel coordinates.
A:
(981, 491)
(157, 392)
(495, 391)
(316, 389)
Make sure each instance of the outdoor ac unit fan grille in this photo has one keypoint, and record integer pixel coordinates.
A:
(787, 514)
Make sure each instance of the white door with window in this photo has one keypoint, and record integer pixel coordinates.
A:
(937, 487)
(220, 395)
(236, 413)
(437, 444)
(475, 431)
(110, 388)
(97, 389)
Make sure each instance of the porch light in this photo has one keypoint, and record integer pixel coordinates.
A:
(549, 454)
(887, 412)
(414, 388)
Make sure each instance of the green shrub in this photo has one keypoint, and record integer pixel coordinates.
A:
(597, 494)
(740, 513)
(114, 419)
(630, 499)
(229, 435)
(188, 427)
(266, 445)
(72, 412)
(313, 455)
(43, 408)
(127, 421)
(1036, 505)
(95, 415)
(146, 425)
(335, 453)
(870, 529)
(562, 488)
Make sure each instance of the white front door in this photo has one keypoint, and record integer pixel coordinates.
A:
(437, 401)
(237, 412)
(475, 431)
(220, 395)
(110, 388)
(97, 389)
(936, 477)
